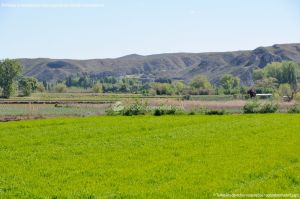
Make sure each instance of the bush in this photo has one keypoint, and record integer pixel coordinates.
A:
(135, 109)
(192, 113)
(165, 111)
(98, 88)
(215, 112)
(251, 107)
(158, 112)
(40, 88)
(115, 109)
(294, 109)
(60, 88)
(198, 111)
(171, 111)
(254, 107)
(268, 108)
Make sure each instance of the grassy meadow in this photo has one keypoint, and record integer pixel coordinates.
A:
(150, 157)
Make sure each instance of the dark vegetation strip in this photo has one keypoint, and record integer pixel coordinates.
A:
(54, 102)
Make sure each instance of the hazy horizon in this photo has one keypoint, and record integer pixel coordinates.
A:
(97, 29)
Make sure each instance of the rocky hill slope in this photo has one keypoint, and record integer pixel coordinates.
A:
(182, 66)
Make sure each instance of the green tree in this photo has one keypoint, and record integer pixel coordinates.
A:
(85, 82)
(98, 88)
(286, 72)
(258, 74)
(9, 71)
(200, 82)
(266, 85)
(60, 88)
(179, 87)
(274, 70)
(27, 85)
(289, 74)
(162, 88)
(286, 91)
(40, 87)
(130, 84)
(230, 84)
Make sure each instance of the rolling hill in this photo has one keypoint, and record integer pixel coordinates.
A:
(183, 66)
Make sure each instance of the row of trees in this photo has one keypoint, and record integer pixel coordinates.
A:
(106, 84)
(199, 85)
(282, 77)
(11, 80)
(275, 77)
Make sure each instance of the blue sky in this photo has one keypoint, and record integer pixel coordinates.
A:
(121, 27)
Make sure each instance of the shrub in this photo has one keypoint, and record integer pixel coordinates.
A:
(40, 88)
(27, 85)
(98, 88)
(171, 111)
(251, 107)
(268, 108)
(198, 111)
(165, 111)
(254, 107)
(294, 109)
(135, 109)
(60, 88)
(192, 113)
(158, 112)
(215, 112)
(115, 109)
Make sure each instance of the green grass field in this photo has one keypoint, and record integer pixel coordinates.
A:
(150, 157)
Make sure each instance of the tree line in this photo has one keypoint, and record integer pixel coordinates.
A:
(277, 77)
(11, 79)
(281, 77)
(199, 85)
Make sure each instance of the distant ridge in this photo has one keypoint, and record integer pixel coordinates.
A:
(181, 66)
